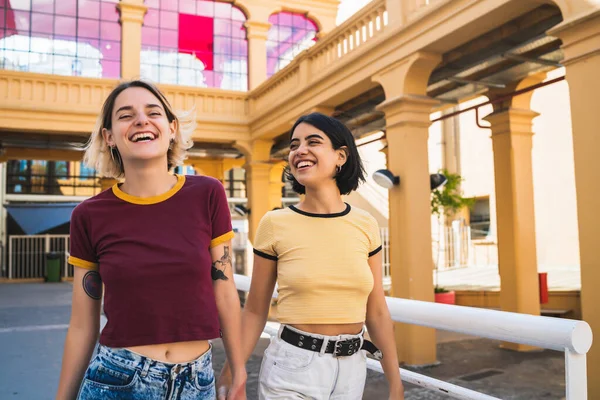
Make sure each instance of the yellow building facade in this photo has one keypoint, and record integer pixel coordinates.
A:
(387, 68)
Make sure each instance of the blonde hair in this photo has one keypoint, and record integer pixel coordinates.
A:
(107, 162)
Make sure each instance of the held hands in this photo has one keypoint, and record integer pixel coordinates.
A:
(231, 388)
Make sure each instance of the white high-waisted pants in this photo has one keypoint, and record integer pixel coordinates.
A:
(289, 372)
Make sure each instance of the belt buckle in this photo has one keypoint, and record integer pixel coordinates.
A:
(337, 348)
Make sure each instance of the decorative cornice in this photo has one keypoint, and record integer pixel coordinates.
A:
(131, 12)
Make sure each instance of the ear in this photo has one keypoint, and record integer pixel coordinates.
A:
(108, 137)
(173, 128)
(342, 153)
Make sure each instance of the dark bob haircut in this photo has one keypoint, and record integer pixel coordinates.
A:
(352, 173)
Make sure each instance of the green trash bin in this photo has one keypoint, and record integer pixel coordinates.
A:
(53, 267)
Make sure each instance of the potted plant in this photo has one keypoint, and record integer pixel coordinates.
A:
(447, 201)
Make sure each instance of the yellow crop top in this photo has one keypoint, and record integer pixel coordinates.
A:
(323, 275)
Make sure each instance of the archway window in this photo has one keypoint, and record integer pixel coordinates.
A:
(195, 43)
(62, 37)
(289, 35)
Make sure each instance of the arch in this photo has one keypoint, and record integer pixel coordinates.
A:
(195, 43)
(290, 34)
(62, 38)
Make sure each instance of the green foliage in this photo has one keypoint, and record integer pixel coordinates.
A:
(448, 199)
(439, 289)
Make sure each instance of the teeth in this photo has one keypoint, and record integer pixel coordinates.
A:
(304, 164)
(142, 136)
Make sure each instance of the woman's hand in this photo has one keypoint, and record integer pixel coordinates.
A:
(231, 388)
(397, 393)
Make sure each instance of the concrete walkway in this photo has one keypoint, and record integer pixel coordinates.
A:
(34, 320)
(488, 278)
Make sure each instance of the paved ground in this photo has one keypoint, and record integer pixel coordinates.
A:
(34, 318)
(488, 278)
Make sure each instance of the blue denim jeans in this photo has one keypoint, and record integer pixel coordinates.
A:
(122, 374)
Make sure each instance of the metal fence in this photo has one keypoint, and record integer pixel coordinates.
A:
(572, 337)
(27, 255)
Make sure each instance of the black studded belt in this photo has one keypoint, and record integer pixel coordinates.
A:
(339, 348)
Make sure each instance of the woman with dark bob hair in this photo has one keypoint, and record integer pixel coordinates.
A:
(160, 245)
(325, 257)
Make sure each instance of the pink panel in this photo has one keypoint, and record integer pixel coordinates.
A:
(66, 7)
(170, 5)
(168, 39)
(89, 9)
(187, 6)
(285, 19)
(88, 28)
(222, 27)
(111, 69)
(109, 12)
(222, 10)
(150, 36)
(237, 14)
(169, 20)
(205, 8)
(110, 30)
(110, 50)
(43, 6)
(65, 25)
(41, 23)
(152, 4)
(238, 30)
(152, 18)
(22, 21)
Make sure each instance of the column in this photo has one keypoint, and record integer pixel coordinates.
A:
(407, 110)
(258, 177)
(276, 185)
(132, 17)
(581, 45)
(256, 33)
(517, 260)
(407, 124)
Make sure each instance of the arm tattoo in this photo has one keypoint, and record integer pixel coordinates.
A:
(92, 284)
(219, 266)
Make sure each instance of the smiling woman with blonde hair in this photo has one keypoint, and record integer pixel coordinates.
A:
(160, 244)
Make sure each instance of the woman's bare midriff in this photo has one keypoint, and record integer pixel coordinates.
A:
(173, 353)
(330, 329)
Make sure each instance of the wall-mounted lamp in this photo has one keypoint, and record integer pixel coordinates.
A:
(386, 179)
(241, 210)
(437, 180)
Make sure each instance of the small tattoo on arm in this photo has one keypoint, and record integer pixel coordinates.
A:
(218, 268)
(92, 284)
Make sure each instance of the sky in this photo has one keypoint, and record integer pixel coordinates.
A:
(348, 7)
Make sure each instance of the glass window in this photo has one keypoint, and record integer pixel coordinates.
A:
(479, 216)
(195, 43)
(289, 35)
(66, 37)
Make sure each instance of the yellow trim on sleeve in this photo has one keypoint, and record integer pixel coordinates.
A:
(221, 239)
(78, 262)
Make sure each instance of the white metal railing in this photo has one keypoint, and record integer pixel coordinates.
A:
(572, 337)
(27, 255)
(385, 265)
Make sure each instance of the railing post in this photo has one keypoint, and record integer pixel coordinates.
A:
(575, 375)
(10, 258)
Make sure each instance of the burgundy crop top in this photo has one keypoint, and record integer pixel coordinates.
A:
(153, 256)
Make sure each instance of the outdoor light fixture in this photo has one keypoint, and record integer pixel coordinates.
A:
(437, 180)
(386, 179)
(241, 210)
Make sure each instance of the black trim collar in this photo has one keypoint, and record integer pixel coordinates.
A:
(334, 215)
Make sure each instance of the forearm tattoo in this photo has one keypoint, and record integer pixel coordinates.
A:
(92, 284)
(219, 266)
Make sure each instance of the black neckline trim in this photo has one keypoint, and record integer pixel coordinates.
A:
(334, 215)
